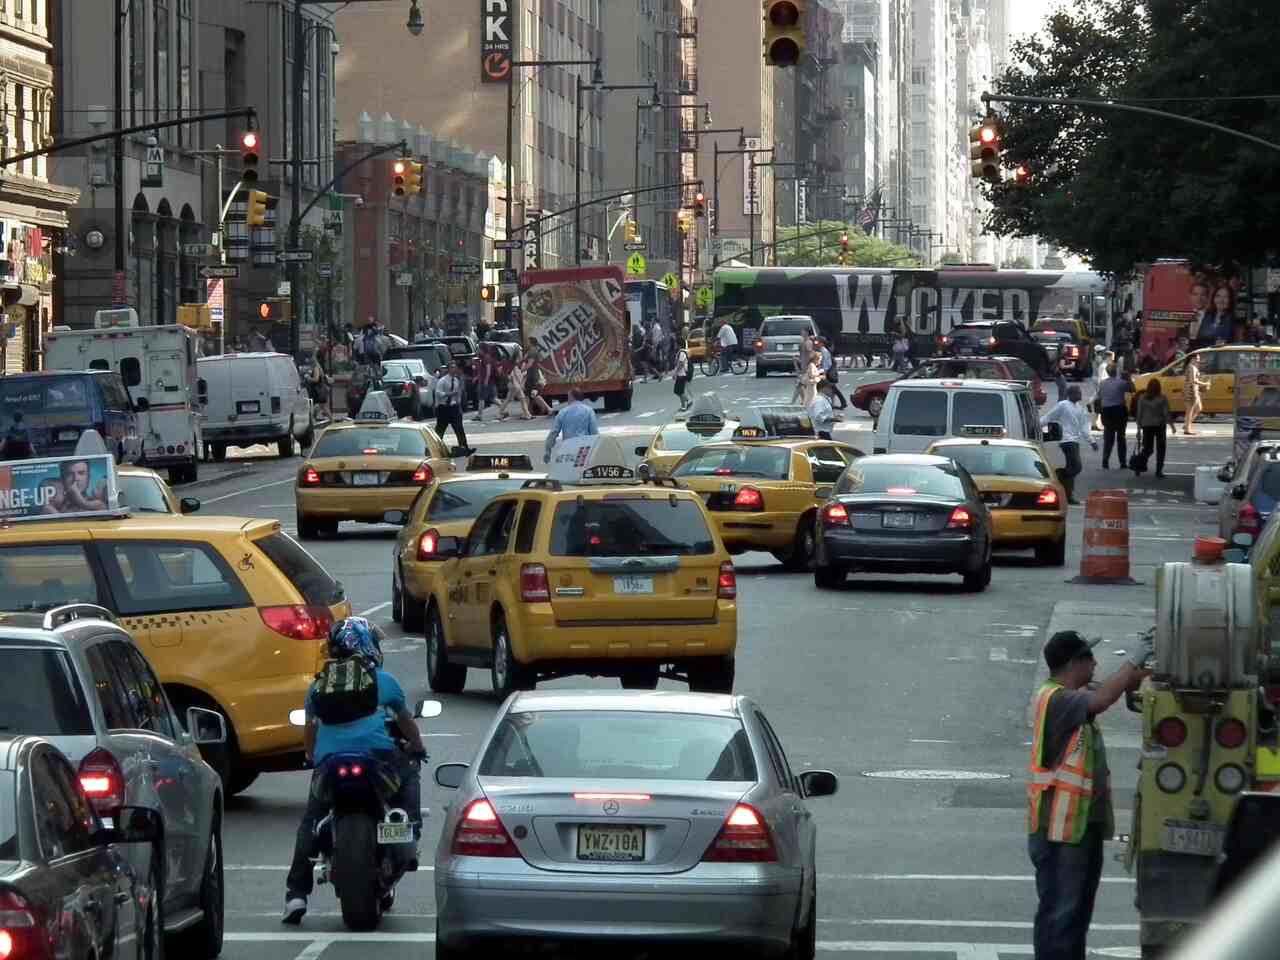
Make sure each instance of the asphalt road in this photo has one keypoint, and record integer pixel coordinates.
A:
(914, 692)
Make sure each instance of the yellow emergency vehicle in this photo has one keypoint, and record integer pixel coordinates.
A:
(445, 508)
(359, 469)
(1028, 505)
(706, 422)
(763, 486)
(586, 572)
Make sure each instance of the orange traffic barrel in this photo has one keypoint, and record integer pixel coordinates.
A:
(1105, 558)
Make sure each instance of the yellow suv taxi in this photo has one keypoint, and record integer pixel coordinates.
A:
(764, 486)
(585, 572)
(445, 508)
(1217, 365)
(1028, 505)
(706, 422)
(359, 469)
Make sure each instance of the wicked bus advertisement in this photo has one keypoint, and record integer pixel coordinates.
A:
(57, 487)
(575, 324)
(861, 309)
(1257, 393)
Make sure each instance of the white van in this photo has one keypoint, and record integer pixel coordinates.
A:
(917, 413)
(253, 398)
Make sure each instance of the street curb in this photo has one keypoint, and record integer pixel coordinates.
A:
(229, 475)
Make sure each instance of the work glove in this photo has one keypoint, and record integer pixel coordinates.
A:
(1144, 650)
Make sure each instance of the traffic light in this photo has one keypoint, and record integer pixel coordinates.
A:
(413, 183)
(274, 310)
(684, 219)
(783, 32)
(844, 243)
(700, 205)
(488, 293)
(249, 157)
(984, 151)
(399, 168)
(631, 232)
(256, 215)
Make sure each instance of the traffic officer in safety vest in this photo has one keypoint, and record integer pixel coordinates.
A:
(1069, 810)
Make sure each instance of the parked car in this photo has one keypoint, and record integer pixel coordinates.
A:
(870, 396)
(996, 338)
(251, 398)
(409, 387)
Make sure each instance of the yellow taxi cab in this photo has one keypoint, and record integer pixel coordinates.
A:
(1217, 365)
(585, 572)
(233, 614)
(359, 469)
(764, 486)
(1027, 503)
(696, 345)
(445, 508)
(706, 422)
(144, 491)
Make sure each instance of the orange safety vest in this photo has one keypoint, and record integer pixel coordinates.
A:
(1071, 780)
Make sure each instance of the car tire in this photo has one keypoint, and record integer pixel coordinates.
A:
(203, 940)
(151, 946)
(875, 405)
(308, 529)
(442, 675)
(397, 603)
(712, 675)
(829, 577)
(804, 941)
(1052, 554)
(355, 870)
(804, 547)
(978, 580)
(414, 614)
(506, 672)
(640, 677)
(760, 371)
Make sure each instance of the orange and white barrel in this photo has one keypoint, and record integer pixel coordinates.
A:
(1105, 557)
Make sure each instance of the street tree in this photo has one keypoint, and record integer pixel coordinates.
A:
(818, 245)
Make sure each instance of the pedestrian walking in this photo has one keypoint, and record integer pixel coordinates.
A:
(683, 369)
(831, 376)
(1069, 812)
(1193, 383)
(576, 419)
(802, 367)
(1153, 418)
(821, 413)
(1112, 401)
(657, 356)
(810, 378)
(486, 380)
(516, 390)
(1101, 364)
(450, 391)
(1073, 419)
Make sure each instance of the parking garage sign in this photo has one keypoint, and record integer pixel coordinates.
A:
(495, 41)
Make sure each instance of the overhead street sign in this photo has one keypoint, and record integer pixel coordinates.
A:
(324, 270)
(295, 256)
(494, 264)
(465, 269)
(515, 243)
(637, 265)
(635, 245)
(197, 249)
(509, 275)
(230, 271)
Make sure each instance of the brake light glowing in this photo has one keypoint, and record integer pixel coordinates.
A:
(723, 472)
(424, 474)
(20, 930)
(370, 451)
(1231, 733)
(749, 498)
(1171, 732)
(943, 341)
(534, 587)
(727, 585)
(759, 345)
(960, 519)
(612, 796)
(900, 491)
(298, 621)
(102, 781)
(835, 515)
(1248, 520)
(1047, 498)
(481, 834)
(744, 838)
(428, 544)
(991, 341)
(310, 477)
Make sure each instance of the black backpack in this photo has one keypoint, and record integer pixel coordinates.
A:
(345, 690)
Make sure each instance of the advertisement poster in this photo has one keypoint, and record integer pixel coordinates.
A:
(1257, 413)
(575, 323)
(57, 487)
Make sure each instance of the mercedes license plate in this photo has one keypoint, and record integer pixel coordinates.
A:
(610, 843)
(632, 584)
(364, 479)
(395, 832)
(1190, 836)
(899, 521)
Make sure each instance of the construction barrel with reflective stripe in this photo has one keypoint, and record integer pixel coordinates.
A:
(1105, 557)
(1071, 780)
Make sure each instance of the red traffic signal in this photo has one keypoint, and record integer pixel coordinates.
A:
(249, 157)
(844, 241)
(699, 204)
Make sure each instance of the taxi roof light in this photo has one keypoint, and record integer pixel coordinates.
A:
(377, 408)
(590, 460)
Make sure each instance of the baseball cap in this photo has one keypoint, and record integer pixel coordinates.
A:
(1065, 646)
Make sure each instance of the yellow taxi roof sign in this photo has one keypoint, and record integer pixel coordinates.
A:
(775, 423)
(491, 462)
(590, 460)
(376, 406)
(707, 411)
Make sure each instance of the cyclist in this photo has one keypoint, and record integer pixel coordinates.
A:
(726, 344)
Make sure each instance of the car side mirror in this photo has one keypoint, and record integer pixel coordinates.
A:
(396, 517)
(141, 405)
(1238, 491)
(189, 504)
(819, 783)
(448, 548)
(206, 726)
(644, 472)
(451, 775)
(132, 825)
(641, 451)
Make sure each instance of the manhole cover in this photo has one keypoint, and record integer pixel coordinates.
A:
(934, 775)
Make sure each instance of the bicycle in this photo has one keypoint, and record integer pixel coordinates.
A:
(713, 364)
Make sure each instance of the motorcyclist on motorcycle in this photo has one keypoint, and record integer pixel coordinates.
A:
(354, 637)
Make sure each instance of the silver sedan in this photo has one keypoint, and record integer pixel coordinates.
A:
(629, 816)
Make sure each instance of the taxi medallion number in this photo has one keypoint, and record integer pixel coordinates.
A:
(632, 584)
(610, 843)
(364, 479)
(1189, 836)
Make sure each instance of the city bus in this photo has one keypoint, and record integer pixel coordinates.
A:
(858, 308)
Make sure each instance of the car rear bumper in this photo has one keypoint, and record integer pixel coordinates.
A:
(755, 531)
(1026, 526)
(695, 906)
(929, 553)
(364, 505)
(255, 430)
(562, 643)
(777, 359)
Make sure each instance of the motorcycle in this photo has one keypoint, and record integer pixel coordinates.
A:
(365, 845)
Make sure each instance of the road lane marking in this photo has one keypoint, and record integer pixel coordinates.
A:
(240, 493)
(373, 610)
(313, 950)
(645, 416)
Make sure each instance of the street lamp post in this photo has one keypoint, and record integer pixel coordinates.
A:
(744, 152)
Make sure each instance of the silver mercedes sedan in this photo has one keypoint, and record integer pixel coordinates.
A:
(629, 816)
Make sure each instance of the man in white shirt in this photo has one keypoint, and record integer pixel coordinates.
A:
(1073, 418)
(820, 412)
(450, 394)
(728, 341)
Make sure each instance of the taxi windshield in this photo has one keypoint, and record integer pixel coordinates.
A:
(464, 499)
(997, 461)
(679, 437)
(371, 442)
(630, 526)
(902, 479)
(142, 494)
(769, 463)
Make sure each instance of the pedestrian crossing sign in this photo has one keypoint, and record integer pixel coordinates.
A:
(703, 298)
(637, 266)
(671, 282)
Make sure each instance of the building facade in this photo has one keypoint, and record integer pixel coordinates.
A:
(821, 120)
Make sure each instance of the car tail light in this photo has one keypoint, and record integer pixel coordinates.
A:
(309, 477)
(835, 515)
(727, 585)
(424, 474)
(991, 342)
(1072, 350)
(21, 933)
(534, 587)
(759, 345)
(370, 451)
(744, 838)
(1047, 498)
(900, 491)
(427, 544)
(943, 341)
(355, 770)
(298, 621)
(102, 781)
(1171, 732)
(748, 498)
(960, 519)
(1231, 733)
(481, 834)
(1249, 520)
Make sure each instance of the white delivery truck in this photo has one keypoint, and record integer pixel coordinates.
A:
(158, 365)
(252, 398)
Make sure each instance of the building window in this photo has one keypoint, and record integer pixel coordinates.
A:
(137, 62)
(161, 77)
(324, 105)
(185, 67)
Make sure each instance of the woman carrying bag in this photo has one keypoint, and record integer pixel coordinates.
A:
(1154, 419)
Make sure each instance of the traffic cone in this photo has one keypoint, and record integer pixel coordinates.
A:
(1105, 557)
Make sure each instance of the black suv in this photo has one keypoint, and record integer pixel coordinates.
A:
(1004, 337)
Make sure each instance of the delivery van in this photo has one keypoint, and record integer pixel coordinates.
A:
(254, 398)
(54, 407)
